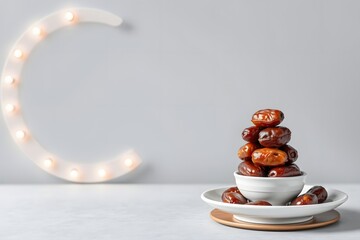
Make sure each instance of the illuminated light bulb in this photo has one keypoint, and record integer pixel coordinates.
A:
(10, 108)
(74, 173)
(48, 162)
(69, 16)
(102, 172)
(18, 53)
(129, 162)
(20, 134)
(36, 31)
(9, 80)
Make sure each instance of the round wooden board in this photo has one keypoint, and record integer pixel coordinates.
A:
(319, 220)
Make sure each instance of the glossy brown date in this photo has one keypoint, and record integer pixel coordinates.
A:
(269, 157)
(291, 153)
(259, 203)
(285, 171)
(320, 192)
(246, 151)
(232, 189)
(251, 134)
(247, 168)
(305, 199)
(274, 136)
(233, 197)
(267, 118)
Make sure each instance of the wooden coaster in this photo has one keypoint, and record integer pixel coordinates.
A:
(319, 220)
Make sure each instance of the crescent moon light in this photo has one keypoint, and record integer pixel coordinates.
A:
(11, 79)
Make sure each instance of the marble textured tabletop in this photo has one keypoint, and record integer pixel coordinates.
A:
(131, 211)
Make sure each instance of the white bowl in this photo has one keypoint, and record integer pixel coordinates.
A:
(275, 190)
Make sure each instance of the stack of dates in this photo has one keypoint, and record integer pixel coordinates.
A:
(267, 154)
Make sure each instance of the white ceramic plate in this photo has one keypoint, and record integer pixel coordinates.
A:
(274, 214)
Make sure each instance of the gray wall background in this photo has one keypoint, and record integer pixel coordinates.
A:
(180, 80)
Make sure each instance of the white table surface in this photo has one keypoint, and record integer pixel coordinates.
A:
(116, 211)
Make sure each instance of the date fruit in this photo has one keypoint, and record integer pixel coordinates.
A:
(233, 197)
(259, 203)
(247, 168)
(267, 118)
(291, 153)
(232, 189)
(320, 192)
(285, 171)
(274, 136)
(251, 134)
(246, 151)
(305, 199)
(269, 157)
